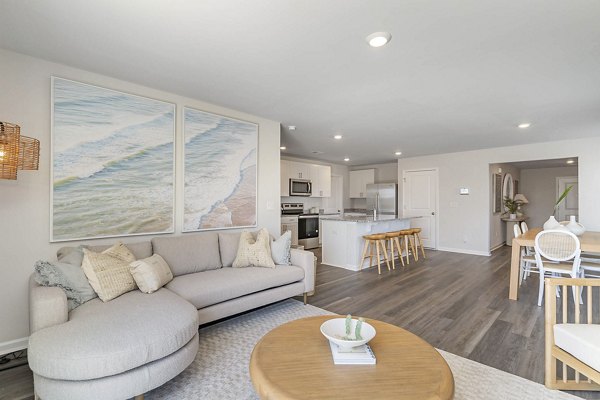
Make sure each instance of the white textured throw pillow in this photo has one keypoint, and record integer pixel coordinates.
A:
(254, 253)
(280, 249)
(151, 273)
(108, 272)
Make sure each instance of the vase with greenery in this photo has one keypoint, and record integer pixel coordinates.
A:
(552, 223)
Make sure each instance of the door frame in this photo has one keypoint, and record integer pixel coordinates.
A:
(557, 193)
(437, 198)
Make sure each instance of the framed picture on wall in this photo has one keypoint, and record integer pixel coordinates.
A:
(497, 193)
(516, 186)
(220, 171)
(113, 163)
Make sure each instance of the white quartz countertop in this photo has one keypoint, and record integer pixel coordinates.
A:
(354, 218)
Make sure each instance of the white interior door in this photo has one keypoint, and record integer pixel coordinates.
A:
(570, 205)
(335, 202)
(419, 194)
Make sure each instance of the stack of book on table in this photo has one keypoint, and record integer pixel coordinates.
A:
(356, 355)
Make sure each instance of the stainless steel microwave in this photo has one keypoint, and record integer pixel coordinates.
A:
(300, 187)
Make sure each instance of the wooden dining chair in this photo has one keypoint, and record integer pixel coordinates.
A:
(557, 253)
(572, 330)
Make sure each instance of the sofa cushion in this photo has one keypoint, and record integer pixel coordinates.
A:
(151, 273)
(103, 339)
(581, 341)
(228, 246)
(189, 253)
(211, 287)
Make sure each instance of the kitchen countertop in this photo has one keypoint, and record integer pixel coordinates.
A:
(362, 219)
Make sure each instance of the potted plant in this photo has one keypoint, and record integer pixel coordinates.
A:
(511, 207)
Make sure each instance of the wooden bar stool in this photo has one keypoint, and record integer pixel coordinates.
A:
(418, 242)
(377, 240)
(406, 235)
(393, 238)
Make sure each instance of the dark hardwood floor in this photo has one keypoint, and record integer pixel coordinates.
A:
(458, 303)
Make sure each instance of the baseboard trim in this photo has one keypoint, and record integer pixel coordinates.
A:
(13, 345)
(463, 251)
(497, 246)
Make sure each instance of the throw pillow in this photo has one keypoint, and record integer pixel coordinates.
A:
(108, 272)
(254, 253)
(280, 249)
(71, 255)
(68, 277)
(151, 273)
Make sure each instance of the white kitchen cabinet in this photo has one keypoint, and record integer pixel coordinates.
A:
(359, 181)
(320, 176)
(298, 170)
(284, 171)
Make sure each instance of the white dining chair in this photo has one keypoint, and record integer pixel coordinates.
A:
(557, 253)
(526, 261)
(590, 265)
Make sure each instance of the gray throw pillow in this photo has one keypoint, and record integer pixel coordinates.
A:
(280, 249)
(71, 255)
(68, 277)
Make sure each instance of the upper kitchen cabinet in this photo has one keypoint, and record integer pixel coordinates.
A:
(298, 170)
(359, 181)
(320, 176)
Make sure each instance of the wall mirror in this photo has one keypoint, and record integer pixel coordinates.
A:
(508, 189)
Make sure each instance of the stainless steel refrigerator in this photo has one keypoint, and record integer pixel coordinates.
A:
(382, 200)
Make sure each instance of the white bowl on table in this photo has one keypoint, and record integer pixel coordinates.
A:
(335, 329)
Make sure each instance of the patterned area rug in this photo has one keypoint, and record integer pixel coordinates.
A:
(220, 370)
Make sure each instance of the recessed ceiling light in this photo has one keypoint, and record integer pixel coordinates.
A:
(346, 159)
(292, 127)
(524, 125)
(338, 137)
(571, 162)
(282, 148)
(398, 153)
(378, 39)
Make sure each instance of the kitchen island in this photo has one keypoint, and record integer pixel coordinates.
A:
(342, 238)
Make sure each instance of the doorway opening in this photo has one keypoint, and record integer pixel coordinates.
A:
(539, 184)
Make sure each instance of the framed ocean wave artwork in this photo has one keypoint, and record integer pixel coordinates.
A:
(220, 171)
(113, 163)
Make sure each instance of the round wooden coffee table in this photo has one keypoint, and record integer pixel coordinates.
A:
(294, 361)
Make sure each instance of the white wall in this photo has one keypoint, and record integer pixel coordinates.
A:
(539, 186)
(384, 173)
(497, 226)
(24, 204)
(467, 227)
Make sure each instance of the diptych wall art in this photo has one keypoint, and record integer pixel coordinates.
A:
(220, 170)
(112, 163)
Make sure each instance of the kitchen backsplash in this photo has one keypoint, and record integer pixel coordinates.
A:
(307, 201)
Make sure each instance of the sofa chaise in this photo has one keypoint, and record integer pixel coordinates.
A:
(137, 342)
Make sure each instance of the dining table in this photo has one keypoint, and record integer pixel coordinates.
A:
(589, 242)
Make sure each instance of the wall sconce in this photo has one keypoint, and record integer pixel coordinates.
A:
(17, 151)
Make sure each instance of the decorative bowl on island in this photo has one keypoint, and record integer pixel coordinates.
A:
(335, 330)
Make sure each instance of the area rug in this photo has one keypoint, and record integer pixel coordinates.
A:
(220, 370)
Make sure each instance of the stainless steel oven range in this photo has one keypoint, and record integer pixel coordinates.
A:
(308, 224)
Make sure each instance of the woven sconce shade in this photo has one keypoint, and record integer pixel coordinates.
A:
(10, 139)
(17, 151)
(29, 153)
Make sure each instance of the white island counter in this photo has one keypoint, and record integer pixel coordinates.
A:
(342, 238)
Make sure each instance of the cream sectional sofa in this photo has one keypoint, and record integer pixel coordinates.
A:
(137, 342)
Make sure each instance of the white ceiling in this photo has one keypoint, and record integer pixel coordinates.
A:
(457, 75)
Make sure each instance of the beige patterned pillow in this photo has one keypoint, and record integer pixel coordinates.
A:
(108, 272)
(253, 253)
(151, 273)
